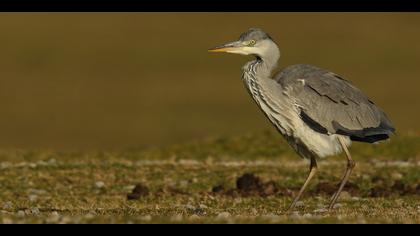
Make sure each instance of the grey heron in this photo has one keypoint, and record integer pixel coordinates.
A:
(317, 111)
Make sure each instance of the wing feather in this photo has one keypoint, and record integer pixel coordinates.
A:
(329, 102)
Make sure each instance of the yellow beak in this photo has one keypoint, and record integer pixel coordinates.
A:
(220, 49)
(227, 47)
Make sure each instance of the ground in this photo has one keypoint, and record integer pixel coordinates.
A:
(246, 179)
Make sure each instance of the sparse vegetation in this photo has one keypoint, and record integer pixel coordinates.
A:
(198, 182)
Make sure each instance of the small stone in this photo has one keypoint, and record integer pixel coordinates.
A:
(254, 211)
(65, 220)
(89, 216)
(33, 197)
(177, 217)
(202, 206)
(307, 215)
(295, 215)
(54, 217)
(146, 218)
(35, 211)
(396, 176)
(5, 165)
(194, 217)
(299, 204)
(8, 205)
(272, 217)
(345, 195)
(99, 184)
(189, 207)
(338, 205)
(237, 200)
(32, 165)
(223, 215)
(20, 213)
(129, 187)
(321, 210)
(183, 183)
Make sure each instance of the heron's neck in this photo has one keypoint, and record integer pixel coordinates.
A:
(267, 61)
(263, 66)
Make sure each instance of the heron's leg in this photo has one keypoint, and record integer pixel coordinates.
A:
(350, 166)
(312, 171)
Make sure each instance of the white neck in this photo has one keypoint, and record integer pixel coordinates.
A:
(269, 54)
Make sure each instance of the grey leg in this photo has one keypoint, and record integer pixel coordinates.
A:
(350, 166)
(312, 171)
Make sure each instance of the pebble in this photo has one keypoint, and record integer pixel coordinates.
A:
(396, 176)
(177, 217)
(33, 197)
(295, 215)
(5, 165)
(99, 184)
(89, 216)
(272, 218)
(189, 207)
(8, 205)
(20, 213)
(223, 215)
(307, 215)
(35, 211)
(129, 188)
(299, 204)
(321, 210)
(254, 211)
(146, 218)
(65, 220)
(183, 183)
(54, 217)
(194, 217)
(345, 195)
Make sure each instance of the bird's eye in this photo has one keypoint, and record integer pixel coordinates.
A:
(251, 43)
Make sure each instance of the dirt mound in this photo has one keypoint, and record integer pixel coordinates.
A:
(250, 185)
(398, 188)
(139, 190)
(328, 188)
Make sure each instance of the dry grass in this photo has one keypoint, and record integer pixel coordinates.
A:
(42, 186)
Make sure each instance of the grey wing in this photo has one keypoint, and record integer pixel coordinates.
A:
(330, 104)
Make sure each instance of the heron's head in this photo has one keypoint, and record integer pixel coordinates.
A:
(252, 42)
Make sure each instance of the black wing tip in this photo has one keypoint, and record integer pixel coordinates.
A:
(369, 135)
(370, 139)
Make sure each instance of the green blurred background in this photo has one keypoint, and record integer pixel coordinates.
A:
(106, 81)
